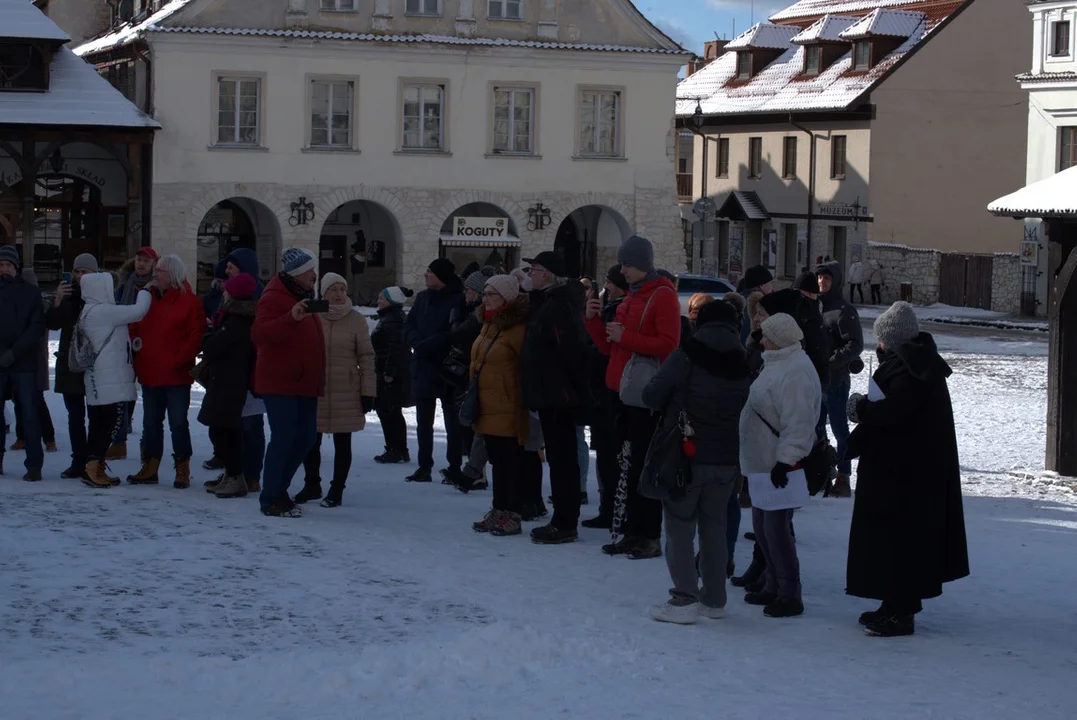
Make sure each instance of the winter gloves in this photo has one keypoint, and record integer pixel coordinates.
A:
(368, 403)
(851, 408)
(7, 359)
(779, 476)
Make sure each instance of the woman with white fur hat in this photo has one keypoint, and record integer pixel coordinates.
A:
(350, 389)
(777, 431)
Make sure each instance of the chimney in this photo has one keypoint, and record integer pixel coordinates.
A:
(711, 50)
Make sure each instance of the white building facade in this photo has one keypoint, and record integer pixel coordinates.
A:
(385, 134)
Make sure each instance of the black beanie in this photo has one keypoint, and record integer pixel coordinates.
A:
(444, 270)
(717, 311)
(757, 276)
(807, 281)
(783, 301)
(614, 276)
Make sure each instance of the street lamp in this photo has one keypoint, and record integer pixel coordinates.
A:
(697, 117)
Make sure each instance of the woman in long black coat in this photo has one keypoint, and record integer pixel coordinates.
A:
(908, 529)
(225, 372)
(392, 365)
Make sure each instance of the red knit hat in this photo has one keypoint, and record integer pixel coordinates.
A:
(241, 287)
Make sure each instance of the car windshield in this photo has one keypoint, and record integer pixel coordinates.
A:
(701, 285)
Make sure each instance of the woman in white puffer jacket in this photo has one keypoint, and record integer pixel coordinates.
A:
(777, 431)
(110, 383)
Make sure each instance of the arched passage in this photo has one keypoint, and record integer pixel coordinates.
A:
(583, 232)
(480, 234)
(237, 222)
(361, 240)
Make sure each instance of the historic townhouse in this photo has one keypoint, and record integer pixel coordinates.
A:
(870, 129)
(383, 133)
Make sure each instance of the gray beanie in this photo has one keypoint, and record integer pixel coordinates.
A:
(85, 261)
(897, 325)
(9, 253)
(476, 281)
(637, 252)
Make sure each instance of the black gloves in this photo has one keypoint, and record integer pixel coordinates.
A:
(368, 403)
(779, 476)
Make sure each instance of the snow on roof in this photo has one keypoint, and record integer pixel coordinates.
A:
(764, 35)
(77, 96)
(827, 28)
(1051, 197)
(23, 20)
(816, 8)
(895, 23)
(781, 87)
(133, 30)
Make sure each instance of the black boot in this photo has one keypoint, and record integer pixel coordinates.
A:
(754, 573)
(892, 626)
(422, 475)
(334, 497)
(312, 490)
(873, 616)
(602, 522)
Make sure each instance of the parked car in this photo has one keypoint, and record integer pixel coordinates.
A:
(709, 284)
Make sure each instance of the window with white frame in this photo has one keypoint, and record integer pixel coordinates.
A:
(600, 123)
(331, 103)
(1060, 38)
(514, 120)
(340, 5)
(424, 117)
(238, 110)
(422, 7)
(506, 9)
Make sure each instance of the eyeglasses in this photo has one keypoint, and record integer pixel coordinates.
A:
(491, 293)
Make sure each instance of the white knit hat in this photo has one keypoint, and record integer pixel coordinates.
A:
(397, 294)
(782, 330)
(331, 279)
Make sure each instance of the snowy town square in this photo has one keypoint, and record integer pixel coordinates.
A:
(531, 359)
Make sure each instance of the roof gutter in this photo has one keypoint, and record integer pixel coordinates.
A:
(811, 180)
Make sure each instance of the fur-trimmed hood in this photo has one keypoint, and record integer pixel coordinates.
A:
(243, 308)
(515, 313)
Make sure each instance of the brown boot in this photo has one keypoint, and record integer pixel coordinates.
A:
(18, 445)
(841, 488)
(253, 485)
(97, 477)
(148, 474)
(117, 451)
(183, 474)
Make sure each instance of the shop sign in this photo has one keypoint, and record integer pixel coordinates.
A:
(849, 210)
(480, 227)
(79, 171)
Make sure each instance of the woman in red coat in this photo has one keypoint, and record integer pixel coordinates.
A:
(166, 343)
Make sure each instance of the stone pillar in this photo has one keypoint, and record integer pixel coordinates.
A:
(547, 22)
(466, 24)
(383, 15)
(296, 16)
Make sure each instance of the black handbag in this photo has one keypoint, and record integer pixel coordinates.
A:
(468, 413)
(817, 465)
(455, 368)
(667, 470)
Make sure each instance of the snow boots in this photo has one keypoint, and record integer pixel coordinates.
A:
(312, 490)
(147, 475)
(550, 535)
(97, 476)
(232, 487)
(183, 474)
(393, 457)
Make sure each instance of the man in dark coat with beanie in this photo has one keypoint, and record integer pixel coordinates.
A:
(21, 330)
(427, 332)
(760, 279)
(842, 324)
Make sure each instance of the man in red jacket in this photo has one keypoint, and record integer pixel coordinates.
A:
(648, 324)
(289, 375)
(166, 343)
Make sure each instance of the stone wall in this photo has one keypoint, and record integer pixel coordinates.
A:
(902, 264)
(419, 212)
(1006, 283)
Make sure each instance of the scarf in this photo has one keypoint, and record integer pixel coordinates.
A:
(489, 315)
(131, 285)
(650, 277)
(336, 312)
(293, 287)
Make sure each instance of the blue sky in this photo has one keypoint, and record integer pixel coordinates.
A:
(691, 22)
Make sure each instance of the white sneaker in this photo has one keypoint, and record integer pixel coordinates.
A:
(676, 614)
(711, 612)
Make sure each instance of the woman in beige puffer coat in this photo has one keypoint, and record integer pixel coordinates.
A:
(351, 386)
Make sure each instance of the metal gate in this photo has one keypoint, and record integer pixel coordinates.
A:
(965, 280)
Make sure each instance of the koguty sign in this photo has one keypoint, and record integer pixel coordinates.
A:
(480, 227)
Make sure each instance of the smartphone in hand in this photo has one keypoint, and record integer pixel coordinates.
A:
(317, 306)
(66, 277)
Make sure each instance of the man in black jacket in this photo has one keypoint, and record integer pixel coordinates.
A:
(62, 315)
(842, 323)
(22, 324)
(466, 328)
(553, 367)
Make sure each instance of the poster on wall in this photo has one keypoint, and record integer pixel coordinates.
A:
(1030, 253)
(736, 251)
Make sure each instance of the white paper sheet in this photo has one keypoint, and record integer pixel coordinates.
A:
(874, 393)
(767, 497)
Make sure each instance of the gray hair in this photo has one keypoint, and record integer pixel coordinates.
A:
(177, 271)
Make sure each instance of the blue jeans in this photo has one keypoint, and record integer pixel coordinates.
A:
(583, 453)
(175, 401)
(834, 407)
(254, 446)
(293, 428)
(24, 391)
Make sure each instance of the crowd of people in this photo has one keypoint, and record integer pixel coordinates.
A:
(738, 393)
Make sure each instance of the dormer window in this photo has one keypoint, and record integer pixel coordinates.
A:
(813, 60)
(22, 67)
(862, 56)
(744, 65)
(1060, 38)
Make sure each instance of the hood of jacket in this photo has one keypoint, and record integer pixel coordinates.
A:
(243, 308)
(832, 298)
(715, 347)
(97, 288)
(921, 356)
(515, 313)
(126, 270)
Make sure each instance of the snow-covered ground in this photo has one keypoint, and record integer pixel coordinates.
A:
(166, 604)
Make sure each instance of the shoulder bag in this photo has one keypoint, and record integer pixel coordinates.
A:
(817, 465)
(469, 403)
(640, 368)
(667, 469)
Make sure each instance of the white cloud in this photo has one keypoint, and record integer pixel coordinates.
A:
(679, 33)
